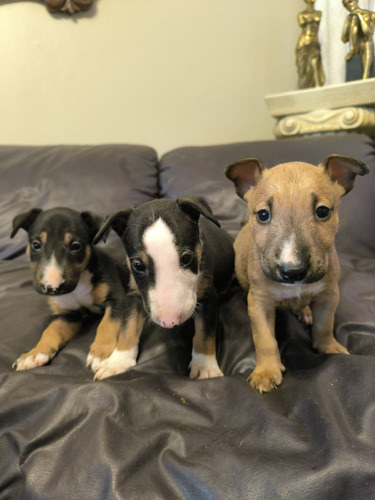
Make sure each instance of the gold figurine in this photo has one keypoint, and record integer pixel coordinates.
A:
(308, 58)
(358, 31)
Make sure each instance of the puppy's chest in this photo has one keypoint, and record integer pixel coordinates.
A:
(80, 297)
(295, 296)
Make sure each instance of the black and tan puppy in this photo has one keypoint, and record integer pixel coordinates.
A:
(179, 259)
(285, 254)
(76, 277)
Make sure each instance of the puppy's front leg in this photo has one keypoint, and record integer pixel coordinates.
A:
(203, 363)
(268, 369)
(124, 355)
(323, 308)
(57, 334)
(106, 339)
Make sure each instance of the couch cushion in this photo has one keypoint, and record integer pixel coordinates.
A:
(199, 171)
(98, 178)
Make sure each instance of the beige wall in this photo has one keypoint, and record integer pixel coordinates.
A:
(166, 73)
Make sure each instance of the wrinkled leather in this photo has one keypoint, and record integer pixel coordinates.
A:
(154, 433)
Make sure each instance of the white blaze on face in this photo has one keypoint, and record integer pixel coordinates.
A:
(288, 253)
(52, 275)
(173, 297)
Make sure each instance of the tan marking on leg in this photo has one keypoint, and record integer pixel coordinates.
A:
(107, 335)
(55, 336)
(129, 336)
(203, 362)
(203, 342)
(124, 356)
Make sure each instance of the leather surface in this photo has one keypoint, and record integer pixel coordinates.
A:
(98, 178)
(154, 433)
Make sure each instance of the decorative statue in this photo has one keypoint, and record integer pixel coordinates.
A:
(359, 31)
(308, 58)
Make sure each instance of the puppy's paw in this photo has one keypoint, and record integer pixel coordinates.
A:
(101, 351)
(305, 316)
(331, 346)
(31, 360)
(117, 362)
(204, 366)
(94, 362)
(266, 379)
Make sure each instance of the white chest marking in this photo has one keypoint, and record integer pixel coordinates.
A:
(173, 298)
(79, 297)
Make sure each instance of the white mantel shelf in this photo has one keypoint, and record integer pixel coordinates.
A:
(345, 107)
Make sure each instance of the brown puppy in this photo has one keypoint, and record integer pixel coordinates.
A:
(285, 254)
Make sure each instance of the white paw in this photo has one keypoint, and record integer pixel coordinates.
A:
(94, 361)
(204, 366)
(117, 362)
(31, 361)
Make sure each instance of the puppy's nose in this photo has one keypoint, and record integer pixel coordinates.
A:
(292, 273)
(169, 323)
(50, 290)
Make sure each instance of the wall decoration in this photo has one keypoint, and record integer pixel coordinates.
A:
(359, 30)
(308, 58)
(65, 6)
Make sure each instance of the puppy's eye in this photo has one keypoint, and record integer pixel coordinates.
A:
(75, 246)
(138, 266)
(36, 245)
(322, 212)
(263, 216)
(186, 258)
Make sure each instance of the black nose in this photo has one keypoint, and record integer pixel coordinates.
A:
(49, 290)
(290, 273)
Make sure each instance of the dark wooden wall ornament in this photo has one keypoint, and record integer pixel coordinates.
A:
(68, 6)
(64, 6)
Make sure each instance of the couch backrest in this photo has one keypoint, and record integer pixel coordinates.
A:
(107, 177)
(98, 178)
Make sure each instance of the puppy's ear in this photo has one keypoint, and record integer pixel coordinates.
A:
(116, 221)
(93, 222)
(343, 169)
(195, 206)
(244, 174)
(24, 220)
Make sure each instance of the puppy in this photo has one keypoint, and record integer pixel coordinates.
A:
(285, 255)
(76, 277)
(179, 259)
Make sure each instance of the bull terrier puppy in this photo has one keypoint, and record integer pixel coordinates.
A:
(285, 255)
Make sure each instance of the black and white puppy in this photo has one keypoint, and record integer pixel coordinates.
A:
(178, 260)
(77, 278)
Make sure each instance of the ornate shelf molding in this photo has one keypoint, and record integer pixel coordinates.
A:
(335, 108)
